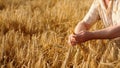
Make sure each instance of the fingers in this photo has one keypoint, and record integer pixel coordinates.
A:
(72, 40)
(78, 38)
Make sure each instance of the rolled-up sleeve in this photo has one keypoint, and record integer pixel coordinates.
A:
(93, 15)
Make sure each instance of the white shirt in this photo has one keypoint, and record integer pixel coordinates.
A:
(98, 10)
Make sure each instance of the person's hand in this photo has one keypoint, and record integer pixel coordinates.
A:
(79, 38)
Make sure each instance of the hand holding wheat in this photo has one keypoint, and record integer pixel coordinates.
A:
(79, 38)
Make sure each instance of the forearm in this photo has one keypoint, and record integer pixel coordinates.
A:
(81, 26)
(107, 33)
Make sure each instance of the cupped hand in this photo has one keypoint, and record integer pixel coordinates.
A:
(79, 38)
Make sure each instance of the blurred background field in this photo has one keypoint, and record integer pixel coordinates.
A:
(34, 33)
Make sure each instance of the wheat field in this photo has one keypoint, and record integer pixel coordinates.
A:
(34, 34)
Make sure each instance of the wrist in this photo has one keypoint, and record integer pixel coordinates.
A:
(91, 35)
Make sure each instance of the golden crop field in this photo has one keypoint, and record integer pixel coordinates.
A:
(34, 34)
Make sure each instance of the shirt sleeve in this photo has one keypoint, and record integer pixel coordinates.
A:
(93, 15)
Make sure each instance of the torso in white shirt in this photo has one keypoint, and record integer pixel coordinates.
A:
(98, 10)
